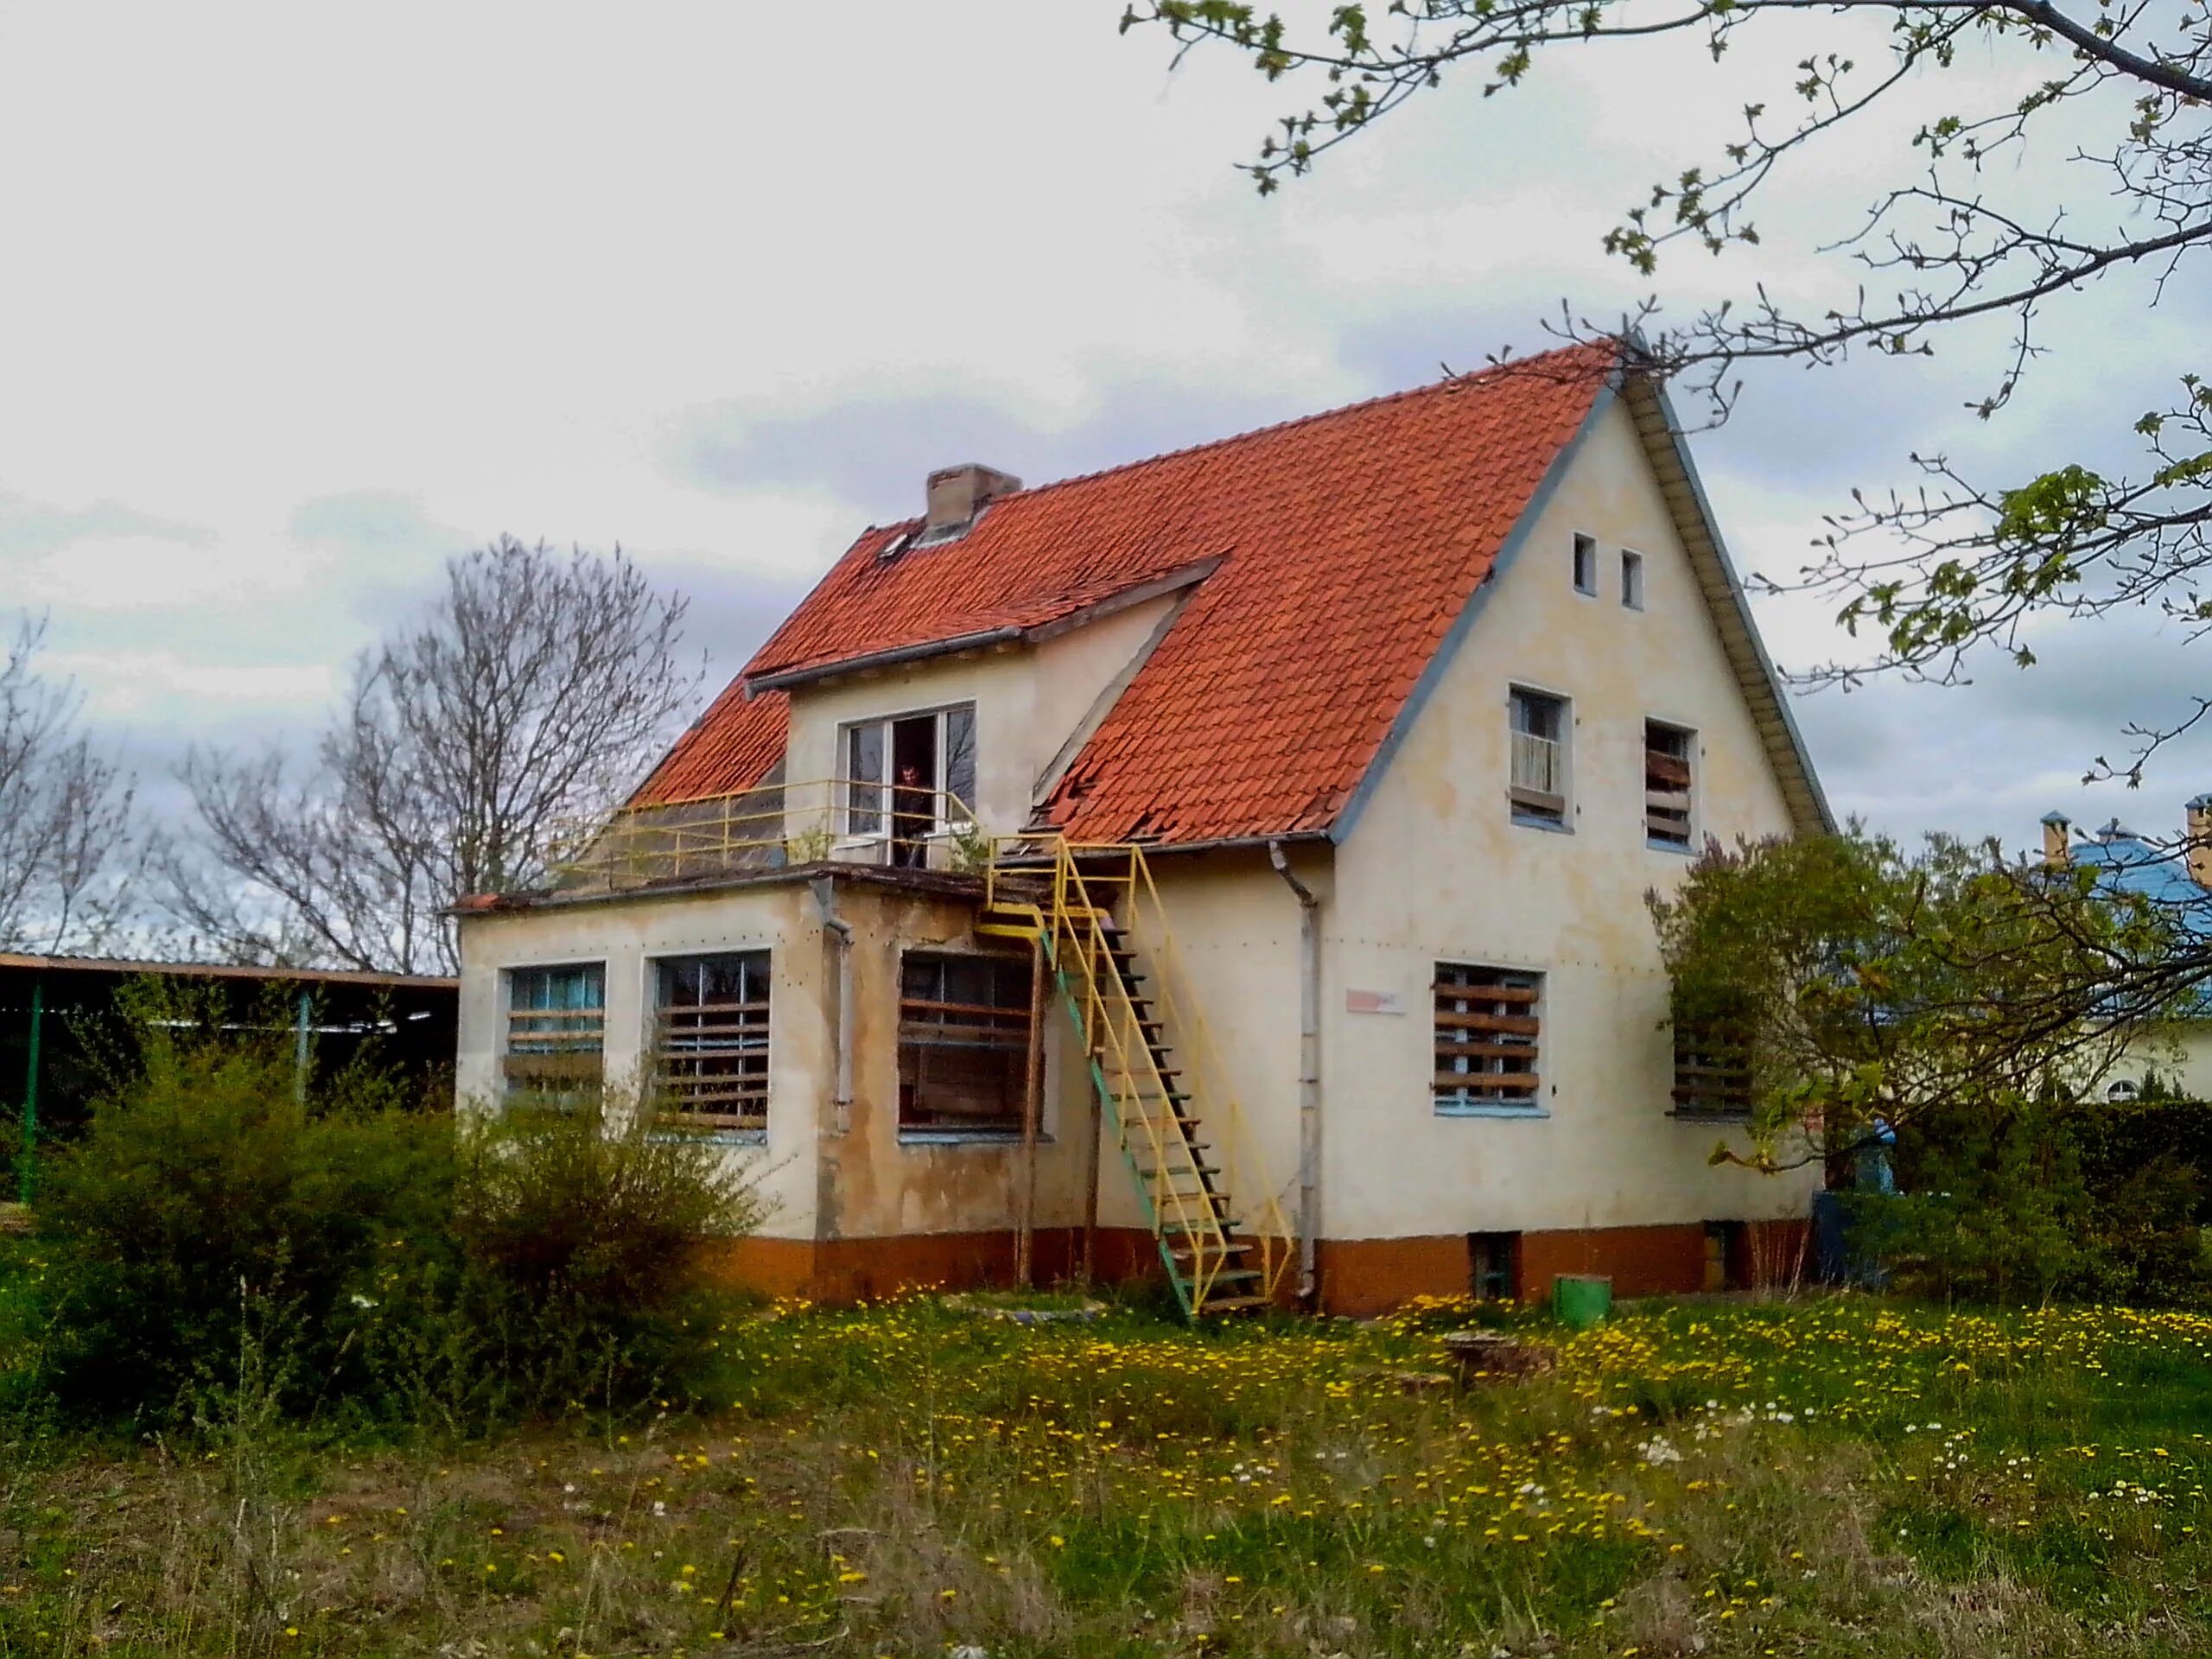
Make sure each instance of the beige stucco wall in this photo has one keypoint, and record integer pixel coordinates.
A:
(823, 1180)
(1435, 870)
(1028, 701)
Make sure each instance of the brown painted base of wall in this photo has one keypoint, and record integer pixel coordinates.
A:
(840, 1270)
(1371, 1275)
(1358, 1276)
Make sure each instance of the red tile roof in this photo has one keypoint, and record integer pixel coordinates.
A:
(730, 747)
(1349, 543)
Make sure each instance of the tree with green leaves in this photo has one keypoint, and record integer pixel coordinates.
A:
(2118, 92)
(1855, 981)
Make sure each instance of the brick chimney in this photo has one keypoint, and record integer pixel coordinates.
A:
(2055, 850)
(2198, 858)
(956, 495)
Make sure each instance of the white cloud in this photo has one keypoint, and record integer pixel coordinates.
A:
(306, 301)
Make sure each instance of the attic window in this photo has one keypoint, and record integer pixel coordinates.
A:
(1631, 580)
(1668, 778)
(1585, 563)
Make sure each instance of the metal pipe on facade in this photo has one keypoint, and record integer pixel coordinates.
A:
(824, 890)
(1309, 1073)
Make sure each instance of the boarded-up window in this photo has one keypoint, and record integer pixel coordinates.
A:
(1538, 783)
(964, 1042)
(1713, 1067)
(1487, 1021)
(710, 1042)
(557, 1031)
(1667, 783)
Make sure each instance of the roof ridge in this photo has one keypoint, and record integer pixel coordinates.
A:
(1455, 383)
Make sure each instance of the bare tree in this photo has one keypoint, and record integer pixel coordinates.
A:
(70, 843)
(536, 691)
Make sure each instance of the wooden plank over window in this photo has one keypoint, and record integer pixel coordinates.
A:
(1713, 1069)
(1667, 783)
(964, 1042)
(1488, 1021)
(710, 1042)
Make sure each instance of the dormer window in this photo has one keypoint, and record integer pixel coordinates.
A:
(909, 777)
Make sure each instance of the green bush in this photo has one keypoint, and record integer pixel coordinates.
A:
(213, 1231)
(2080, 1201)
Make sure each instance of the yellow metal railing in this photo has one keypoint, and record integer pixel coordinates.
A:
(768, 827)
(1086, 882)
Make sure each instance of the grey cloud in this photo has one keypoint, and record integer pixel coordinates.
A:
(31, 528)
(876, 452)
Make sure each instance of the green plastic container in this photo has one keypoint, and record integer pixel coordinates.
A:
(1580, 1299)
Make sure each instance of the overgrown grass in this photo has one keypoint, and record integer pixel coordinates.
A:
(1838, 1476)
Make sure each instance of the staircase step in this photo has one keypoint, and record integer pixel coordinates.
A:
(1177, 1230)
(1234, 1304)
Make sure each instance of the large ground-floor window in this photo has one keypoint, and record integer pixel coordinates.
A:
(964, 1042)
(557, 1032)
(710, 1042)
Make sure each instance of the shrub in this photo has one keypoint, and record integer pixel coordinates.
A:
(213, 1230)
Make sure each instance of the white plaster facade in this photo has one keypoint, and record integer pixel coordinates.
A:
(1429, 867)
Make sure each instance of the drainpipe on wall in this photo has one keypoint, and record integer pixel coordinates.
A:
(826, 898)
(1309, 1073)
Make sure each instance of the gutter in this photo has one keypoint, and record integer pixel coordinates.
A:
(755, 683)
(1309, 1074)
(825, 897)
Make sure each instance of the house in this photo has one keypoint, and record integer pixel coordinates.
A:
(2175, 878)
(1233, 861)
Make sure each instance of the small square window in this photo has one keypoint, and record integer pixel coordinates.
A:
(1585, 563)
(1632, 580)
(1487, 1022)
(1537, 783)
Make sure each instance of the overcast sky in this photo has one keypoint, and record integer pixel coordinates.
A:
(295, 302)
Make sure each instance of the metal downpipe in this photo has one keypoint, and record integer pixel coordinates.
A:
(1309, 1074)
(826, 898)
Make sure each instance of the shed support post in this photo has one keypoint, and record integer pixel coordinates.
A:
(26, 1156)
(300, 1049)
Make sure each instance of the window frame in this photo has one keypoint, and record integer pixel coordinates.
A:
(514, 1091)
(1632, 571)
(755, 1042)
(1688, 759)
(1506, 1273)
(1019, 1033)
(1513, 988)
(850, 811)
(1528, 806)
(1582, 567)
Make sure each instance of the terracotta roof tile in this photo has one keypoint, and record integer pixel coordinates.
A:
(1348, 543)
(732, 747)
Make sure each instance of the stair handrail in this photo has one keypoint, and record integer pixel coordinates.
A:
(1110, 1027)
(1244, 1170)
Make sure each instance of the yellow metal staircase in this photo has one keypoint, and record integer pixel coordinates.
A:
(1221, 1233)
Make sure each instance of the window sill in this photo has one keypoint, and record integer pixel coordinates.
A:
(1680, 848)
(1525, 822)
(707, 1137)
(966, 1138)
(1737, 1119)
(1487, 1109)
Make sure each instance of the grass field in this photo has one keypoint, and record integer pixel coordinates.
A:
(1826, 1477)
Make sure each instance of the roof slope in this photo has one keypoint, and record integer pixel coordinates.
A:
(732, 747)
(1332, 557)
(1349, 543)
